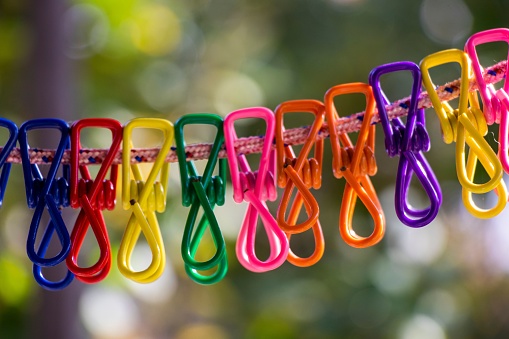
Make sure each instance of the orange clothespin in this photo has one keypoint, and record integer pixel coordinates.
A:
(355, 164)
(303, 174)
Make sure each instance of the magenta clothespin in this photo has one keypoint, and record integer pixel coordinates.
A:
(255, 187)
(495, 102)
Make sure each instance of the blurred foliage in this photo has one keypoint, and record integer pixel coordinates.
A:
(166, 58)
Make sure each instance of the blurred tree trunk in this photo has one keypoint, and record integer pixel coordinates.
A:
(48, 94)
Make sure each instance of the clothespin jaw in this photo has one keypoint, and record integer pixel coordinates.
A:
(285, 152)
(255, 187)
(366, 136)
(408, 141)
(188, 169)
(93, 195)
(393, 143)
(160, 166)
(144, 198)
(51, 194)
(107, 164)
(491, 104)
(4, 154)
(203, 191)
(448, 120)
(356, 167)
(238, 164)
(467, 126)
(302, 173)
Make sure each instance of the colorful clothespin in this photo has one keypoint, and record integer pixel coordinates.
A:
(303, 174)
(5, 167)
(144, 198)
(93, 196)
(255, 187)
(204, 191)
(466, 125)
(495, 102)
(355, 163)
(47, 194)
(409, 141)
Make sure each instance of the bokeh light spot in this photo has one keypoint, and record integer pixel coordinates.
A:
(421, 327)
(439, 305)
(393, 278)
(446, 21)
(108, 313)
(87, 30)
(235, 91)
(156, 30)
(16, 280)
(200, 330)
(162, 84)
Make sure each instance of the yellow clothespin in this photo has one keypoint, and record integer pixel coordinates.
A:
(467, 126)
(144, 198)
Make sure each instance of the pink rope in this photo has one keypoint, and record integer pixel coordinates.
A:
(254, 144)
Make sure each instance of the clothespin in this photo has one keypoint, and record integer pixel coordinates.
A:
(47, 194)
(5, 167)
(93, 196)
(495, 102)
(255, 187)
(204, 191)
(144, 198)
(409, 141)
(355, 163)
(466, 125)
(303, 174)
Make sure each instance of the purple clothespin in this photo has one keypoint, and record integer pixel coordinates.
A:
(409, 142)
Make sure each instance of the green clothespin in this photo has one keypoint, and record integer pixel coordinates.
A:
(204, 191)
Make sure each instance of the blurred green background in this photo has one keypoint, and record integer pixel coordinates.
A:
(148, 58)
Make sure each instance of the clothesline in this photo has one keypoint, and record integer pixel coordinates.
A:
(254, 144)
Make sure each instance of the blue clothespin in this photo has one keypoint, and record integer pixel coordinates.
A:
(49, 193)
(5, 168)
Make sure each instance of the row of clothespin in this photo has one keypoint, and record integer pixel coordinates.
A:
(278, 166)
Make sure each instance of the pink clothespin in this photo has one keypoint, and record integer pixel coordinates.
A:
(255, 187)
(495, 102)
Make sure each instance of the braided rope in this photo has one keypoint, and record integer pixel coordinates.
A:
(254, 144)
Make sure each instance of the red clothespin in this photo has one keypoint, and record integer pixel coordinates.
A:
(93, 196)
